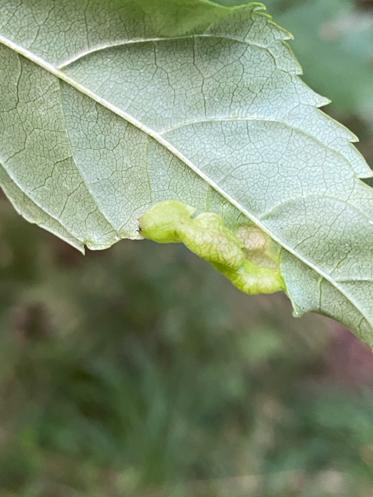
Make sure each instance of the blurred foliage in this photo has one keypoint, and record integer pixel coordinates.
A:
(140, 372)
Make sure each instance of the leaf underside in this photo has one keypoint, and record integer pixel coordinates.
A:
(109, 107)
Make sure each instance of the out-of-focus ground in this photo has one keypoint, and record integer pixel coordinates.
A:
(140, 372)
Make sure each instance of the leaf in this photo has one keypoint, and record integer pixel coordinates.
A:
(110, 107)
(337, 31)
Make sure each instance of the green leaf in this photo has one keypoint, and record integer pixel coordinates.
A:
(107, 108)
(338, 31)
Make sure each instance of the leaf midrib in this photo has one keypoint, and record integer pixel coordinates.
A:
(159, 139)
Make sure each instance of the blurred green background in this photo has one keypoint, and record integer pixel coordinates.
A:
(140, 372)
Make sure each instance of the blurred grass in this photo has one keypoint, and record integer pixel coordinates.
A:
(140, 372)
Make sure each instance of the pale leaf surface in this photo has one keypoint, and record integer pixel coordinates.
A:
(109, 107)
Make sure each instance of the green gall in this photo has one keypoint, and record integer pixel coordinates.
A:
(162, 221)
(208, 237)
(247, 257)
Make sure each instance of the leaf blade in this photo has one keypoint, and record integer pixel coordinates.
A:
(199, 114)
